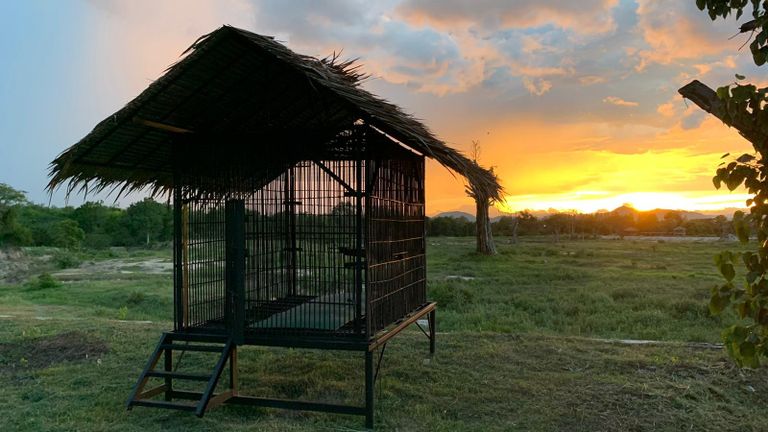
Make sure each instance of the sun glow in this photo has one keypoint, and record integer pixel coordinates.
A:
(592, 201)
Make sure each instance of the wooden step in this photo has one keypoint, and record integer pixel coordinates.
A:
(164, 404)
(178, 375)
(202, 348)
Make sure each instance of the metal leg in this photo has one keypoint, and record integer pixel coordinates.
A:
(233, 371)
(168, 368)
(431, 320)
(369, 384)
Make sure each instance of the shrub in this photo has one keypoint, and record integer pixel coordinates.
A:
(66, 259)
(44, 281)
(136, 298)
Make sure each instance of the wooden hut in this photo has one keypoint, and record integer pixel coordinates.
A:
(298, 204)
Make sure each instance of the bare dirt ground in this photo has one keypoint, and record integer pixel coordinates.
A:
(13, 263)
(118, 266)
(47, 351)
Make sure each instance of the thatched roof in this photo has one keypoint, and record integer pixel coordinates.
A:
(234, 86)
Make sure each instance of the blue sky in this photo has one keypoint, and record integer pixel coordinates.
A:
(41, 108)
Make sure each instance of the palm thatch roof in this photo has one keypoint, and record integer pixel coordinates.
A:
(231, 90)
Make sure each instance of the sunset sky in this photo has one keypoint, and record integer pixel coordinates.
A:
(574, 103)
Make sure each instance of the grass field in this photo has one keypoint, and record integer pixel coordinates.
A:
(519, 346)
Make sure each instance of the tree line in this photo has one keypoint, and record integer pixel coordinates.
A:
(91, 225)
(584, 225)
(147, 222)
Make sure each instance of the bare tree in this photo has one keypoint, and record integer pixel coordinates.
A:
(485, 244)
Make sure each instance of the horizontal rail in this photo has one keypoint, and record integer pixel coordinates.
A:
(383, 338)
(296, 405)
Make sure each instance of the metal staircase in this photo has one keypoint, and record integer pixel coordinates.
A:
(197, 402)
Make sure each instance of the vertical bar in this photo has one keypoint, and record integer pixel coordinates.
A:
(359, 240)
(235, 264)
(178, 279)
(432, 331)
(233, 371)
(168, 368)
(369, 384)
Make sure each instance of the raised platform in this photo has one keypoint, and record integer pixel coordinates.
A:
(205, 340)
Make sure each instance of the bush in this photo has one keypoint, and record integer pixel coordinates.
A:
(65, 259)
(44, 281)
(66, 233)
(135, 298)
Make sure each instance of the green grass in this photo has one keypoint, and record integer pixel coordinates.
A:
(598, 288)
(516, 348)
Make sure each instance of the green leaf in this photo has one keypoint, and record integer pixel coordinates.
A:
(748, 355)
(727, 270)
(717, 304)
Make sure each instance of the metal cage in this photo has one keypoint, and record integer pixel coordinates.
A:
(324, 250)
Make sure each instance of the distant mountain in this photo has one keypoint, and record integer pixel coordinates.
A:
(457, 214)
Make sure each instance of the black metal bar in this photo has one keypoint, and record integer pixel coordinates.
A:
(168, 357)
(279, 403)
(359, 240)
(292, 229)
(211, 386)
(235, 264)
(303, 341)
(335, 176)
(169, 375)
(148, 367)
(432, 330)
(297, 405)
(378, 363)
(178, 265)
(164, 404)
(201, 348)
(369, 388)
(197, 337)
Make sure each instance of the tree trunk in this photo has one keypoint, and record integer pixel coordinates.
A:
(707, 99)
(514, 231)
(485, 243)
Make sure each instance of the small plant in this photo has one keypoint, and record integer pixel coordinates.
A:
(122, 313)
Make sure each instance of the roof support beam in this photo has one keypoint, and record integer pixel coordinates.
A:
(335, 176)
(161, 126)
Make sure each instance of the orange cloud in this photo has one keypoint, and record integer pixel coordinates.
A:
(537, 86)
(677, 31)
(589, 80)
(613, 100)
(585, 16)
